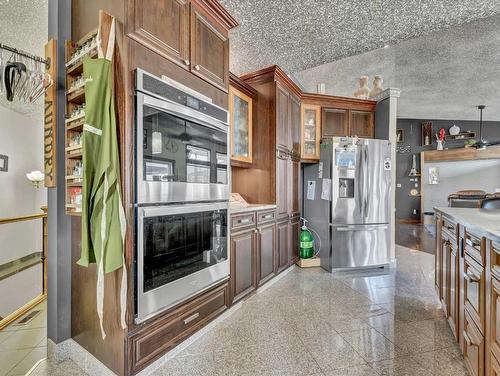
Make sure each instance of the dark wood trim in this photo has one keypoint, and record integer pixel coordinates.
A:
(339, 102)
(272, 73)
(217, 12)
(242, 86)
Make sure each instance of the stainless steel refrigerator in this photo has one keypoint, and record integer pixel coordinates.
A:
(347, 200)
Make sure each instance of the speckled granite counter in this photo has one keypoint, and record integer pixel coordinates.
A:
(481, 221)
(235, 209)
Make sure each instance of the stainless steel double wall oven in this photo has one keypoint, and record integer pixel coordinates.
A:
(182, 193)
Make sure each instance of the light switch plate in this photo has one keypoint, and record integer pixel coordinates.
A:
(4, 163)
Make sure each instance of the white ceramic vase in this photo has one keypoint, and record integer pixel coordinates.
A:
(363, 91)
(377, 86)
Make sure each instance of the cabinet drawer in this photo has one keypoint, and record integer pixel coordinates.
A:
(475, 247)
(449, 226)
(495, 259)
(266, 216)
(495, 317)
(473, 347)
(475, 291)
(154, 340)
(242, 220)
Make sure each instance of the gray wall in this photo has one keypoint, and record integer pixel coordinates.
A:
(412, 136)
(459, 175)
(59, 258)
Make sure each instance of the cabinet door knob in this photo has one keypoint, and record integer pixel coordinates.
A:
(187, 62)
(197, 67)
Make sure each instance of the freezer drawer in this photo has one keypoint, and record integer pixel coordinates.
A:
(358, 246)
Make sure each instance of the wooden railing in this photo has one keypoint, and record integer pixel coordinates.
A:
(28, 306)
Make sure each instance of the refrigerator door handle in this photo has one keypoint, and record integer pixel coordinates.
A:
(365, 182)
(362, 227)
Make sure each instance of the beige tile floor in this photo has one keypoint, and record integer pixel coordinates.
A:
(21, 347)
(314, 323)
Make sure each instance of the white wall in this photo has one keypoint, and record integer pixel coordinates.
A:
(21, 139)
(459, 175)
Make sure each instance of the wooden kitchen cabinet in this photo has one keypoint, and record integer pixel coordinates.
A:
(283, 236)
(445, 273)
(294, 193)
(240, 121)
(253, 251)
(294, 232)
(243, 263)
(361, 123)
(294, 142)
(437, 258)
(334, 123)
(282, 118)
(474, 286)
(183, 32)
(338, 122)
(453, 308)
(494, 331)
(162, 26)
(310, 133)
(494, 366)
(474, 347)
(282, 184)
(209, 49)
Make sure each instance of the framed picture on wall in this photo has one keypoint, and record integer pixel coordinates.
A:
(400, 135)
(427, 133)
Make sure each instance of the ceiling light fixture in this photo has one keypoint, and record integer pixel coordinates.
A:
(386, 46)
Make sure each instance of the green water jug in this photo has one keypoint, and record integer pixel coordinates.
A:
(306, 243)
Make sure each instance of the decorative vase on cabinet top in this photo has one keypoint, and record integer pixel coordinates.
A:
(363, 91)
(377, 86)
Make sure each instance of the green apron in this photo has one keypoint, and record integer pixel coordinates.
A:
(103, 219)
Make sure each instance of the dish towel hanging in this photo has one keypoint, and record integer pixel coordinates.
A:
(103, 217)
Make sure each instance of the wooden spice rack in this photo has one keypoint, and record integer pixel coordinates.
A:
(75, 99)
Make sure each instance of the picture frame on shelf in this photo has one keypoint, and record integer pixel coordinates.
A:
(400, 135)
(427, 133)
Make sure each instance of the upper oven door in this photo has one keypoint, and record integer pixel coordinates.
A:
(181, 154)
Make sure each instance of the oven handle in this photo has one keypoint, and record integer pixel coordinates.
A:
(157, 211)
(182, 111)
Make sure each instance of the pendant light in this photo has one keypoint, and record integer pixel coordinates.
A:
(481, 144)
(156, 137)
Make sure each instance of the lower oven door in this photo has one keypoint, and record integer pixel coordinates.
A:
(181, 251)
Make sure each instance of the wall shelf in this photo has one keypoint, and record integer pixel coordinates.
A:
(460, 137)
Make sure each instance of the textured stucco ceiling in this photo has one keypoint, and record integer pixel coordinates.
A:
(442, 75)
(297, 35)
(23, 25)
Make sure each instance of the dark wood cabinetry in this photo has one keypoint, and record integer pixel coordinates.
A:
(283, 244)
(153, 339)
(294, 135)
(209, 49)
(334, 123)
(337, 122)
(186, 33)
(467, 280)
(266, 243)
(163, 26)
(253, 251)
(282, 118)
(243, 263)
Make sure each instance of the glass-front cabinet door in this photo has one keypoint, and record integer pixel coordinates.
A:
(240, 118)
(311, 123)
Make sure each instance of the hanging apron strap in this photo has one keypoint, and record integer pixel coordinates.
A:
(111, 43)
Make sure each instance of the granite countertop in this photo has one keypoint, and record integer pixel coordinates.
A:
(234, 209)
(483, 221)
